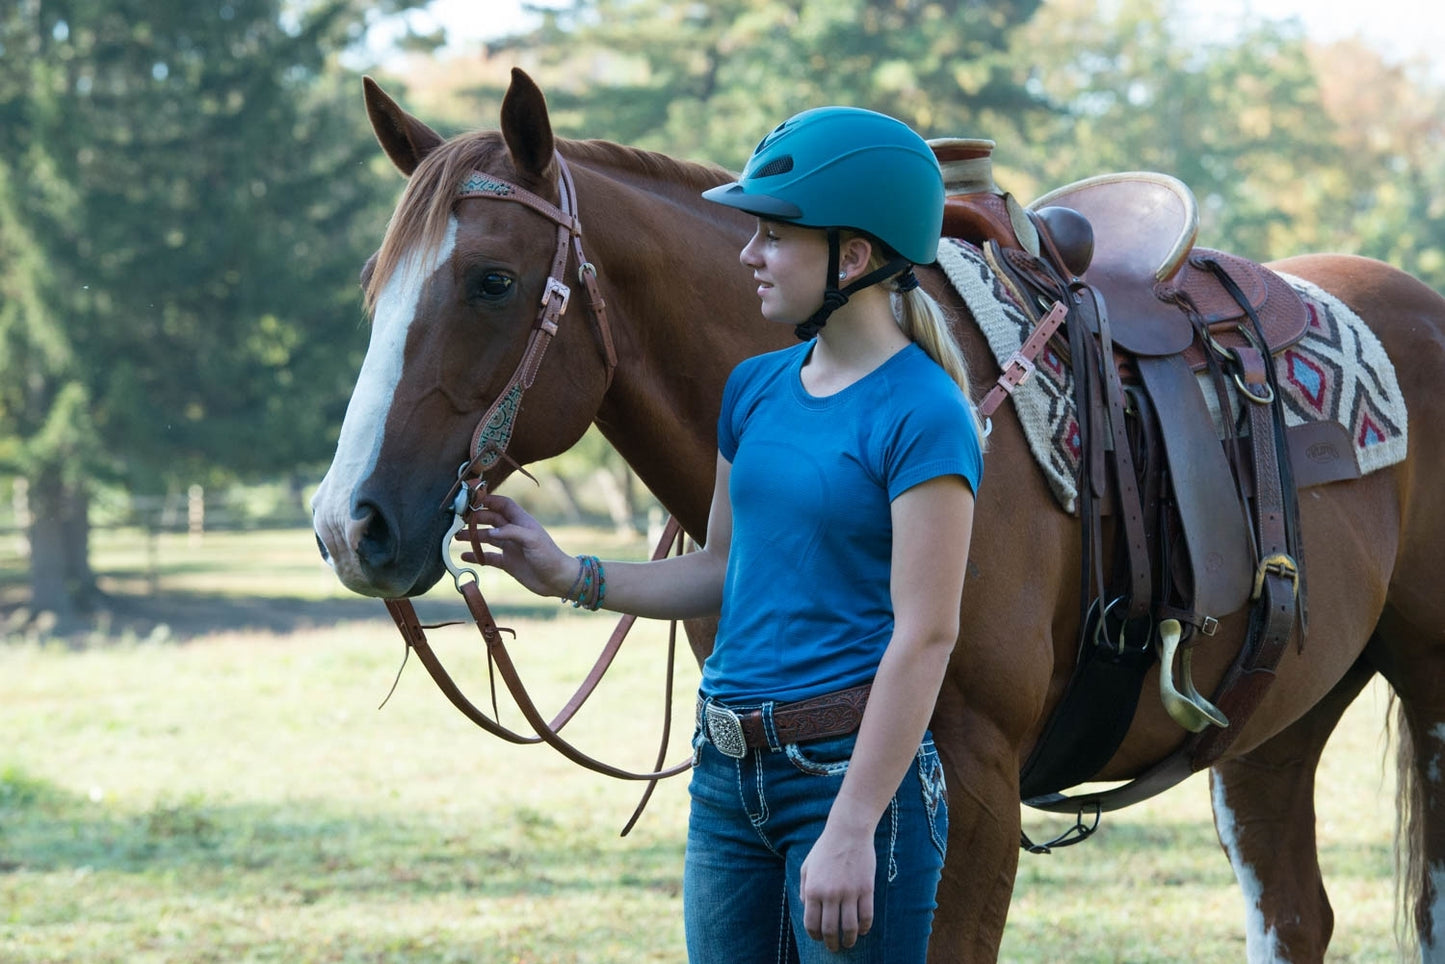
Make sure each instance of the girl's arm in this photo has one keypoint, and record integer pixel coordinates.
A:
(678, 587)
(931, 526)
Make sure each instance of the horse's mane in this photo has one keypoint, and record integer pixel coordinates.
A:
(684, 174)
(420, 219)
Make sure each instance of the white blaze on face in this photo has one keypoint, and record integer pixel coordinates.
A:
(371, 400)
(1261, 942)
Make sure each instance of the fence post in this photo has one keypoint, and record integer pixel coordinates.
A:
(195, 515)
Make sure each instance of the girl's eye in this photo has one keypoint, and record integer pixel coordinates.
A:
(494, 286)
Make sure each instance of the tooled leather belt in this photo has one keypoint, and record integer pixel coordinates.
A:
(833, 714)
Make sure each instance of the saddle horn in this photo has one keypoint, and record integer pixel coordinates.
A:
(1068, 236)
(1189, 709)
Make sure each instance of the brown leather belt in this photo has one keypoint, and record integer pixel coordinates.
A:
(733, 732)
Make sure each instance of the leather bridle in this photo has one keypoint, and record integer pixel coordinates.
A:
(489, 446)
(494, 430)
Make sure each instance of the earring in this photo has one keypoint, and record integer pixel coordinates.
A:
(842, 275)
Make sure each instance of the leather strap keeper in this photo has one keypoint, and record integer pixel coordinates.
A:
(832, 714)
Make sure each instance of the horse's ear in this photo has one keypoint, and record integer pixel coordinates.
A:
(405, 139)
(525, 126)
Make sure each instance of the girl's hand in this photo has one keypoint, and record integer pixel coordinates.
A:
(836, 884)
(525, 551)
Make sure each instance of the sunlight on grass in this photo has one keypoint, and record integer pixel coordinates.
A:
(243, 799)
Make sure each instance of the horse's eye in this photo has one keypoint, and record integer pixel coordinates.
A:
(494, 286)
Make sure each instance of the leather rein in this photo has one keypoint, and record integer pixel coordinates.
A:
(488, 447)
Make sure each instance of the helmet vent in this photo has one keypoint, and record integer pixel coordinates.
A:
(778, 165)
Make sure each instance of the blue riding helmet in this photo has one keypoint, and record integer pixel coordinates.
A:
(846, 167)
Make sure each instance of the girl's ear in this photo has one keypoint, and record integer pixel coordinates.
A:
(854, 253)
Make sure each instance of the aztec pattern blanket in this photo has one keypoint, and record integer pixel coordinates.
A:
(1337, 371)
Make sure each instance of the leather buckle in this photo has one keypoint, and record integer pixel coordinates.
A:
(725, 731)
(1017, 370)
(1280, 565)
(555, 288)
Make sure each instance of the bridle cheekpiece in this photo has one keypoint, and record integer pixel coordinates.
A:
(494, 432)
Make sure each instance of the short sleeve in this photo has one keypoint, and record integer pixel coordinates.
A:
(934, 439)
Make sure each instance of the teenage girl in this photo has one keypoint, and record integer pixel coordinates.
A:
(835, 554)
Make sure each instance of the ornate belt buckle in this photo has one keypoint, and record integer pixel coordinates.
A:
(725, 730)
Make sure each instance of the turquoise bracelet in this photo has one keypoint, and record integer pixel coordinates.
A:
(590, 586)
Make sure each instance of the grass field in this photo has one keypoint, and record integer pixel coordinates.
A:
(209, 779)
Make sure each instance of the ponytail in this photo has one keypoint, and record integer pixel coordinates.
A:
(925, 323)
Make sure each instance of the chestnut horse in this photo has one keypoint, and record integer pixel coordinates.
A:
(456, 286)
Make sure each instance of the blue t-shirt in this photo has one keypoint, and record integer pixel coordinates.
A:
(806, 604)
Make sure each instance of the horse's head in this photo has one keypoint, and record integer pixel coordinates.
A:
(454, 293)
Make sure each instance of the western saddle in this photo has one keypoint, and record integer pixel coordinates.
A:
(1204, 509)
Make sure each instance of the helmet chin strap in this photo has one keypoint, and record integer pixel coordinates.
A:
(835, 298)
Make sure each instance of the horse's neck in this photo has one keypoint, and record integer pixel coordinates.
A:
(684, 313)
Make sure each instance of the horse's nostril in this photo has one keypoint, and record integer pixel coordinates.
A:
(377, 544)
(325, 556)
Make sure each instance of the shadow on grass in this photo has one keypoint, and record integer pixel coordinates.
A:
(1127, 845)
(183, 616)
(312, 853)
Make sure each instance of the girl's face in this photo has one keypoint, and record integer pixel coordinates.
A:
(789, 263)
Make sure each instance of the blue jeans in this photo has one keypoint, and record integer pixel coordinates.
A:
(753, 821)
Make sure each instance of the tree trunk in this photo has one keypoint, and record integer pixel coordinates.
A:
(562, 489)
(619, 507)
(61, 580)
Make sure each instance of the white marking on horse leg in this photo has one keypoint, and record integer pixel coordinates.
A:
(1261, 942)
(362, 428)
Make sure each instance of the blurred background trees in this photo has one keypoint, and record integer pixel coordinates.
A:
(187, 191)
(186, 195)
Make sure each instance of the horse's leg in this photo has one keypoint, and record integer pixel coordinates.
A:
(1408, 647)
(983, 834)
(1264, 813)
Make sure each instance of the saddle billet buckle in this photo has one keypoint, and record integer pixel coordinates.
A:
(725, 731)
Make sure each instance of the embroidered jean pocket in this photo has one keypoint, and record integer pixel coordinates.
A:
(935, 795)
(823, 758)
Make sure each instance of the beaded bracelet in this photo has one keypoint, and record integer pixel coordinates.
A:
(576, 583)
(590, 587)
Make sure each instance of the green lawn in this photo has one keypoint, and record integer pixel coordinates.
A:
(204, 793)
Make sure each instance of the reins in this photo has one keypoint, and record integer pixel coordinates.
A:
(488, 446)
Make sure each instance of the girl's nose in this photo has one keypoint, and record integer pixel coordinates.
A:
(748, 255)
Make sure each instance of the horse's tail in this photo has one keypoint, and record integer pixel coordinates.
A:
(1409, 834)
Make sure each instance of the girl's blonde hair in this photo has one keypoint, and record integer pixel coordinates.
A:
(925, 322)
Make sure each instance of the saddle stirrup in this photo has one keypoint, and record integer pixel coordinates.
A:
(1188, 708)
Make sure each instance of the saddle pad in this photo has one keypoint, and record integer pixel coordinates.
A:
(1338, 372)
